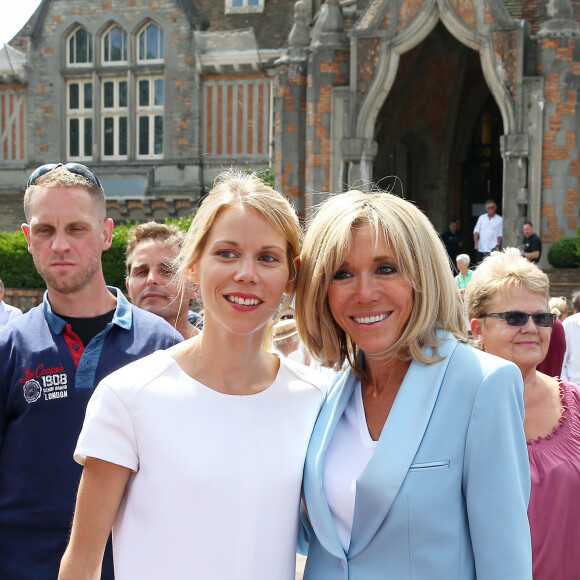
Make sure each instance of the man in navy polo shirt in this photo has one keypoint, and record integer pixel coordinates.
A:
(52, 358)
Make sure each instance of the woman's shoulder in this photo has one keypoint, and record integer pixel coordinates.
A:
(570, 392)
(137, 374)
(295, 372)
(478, 365)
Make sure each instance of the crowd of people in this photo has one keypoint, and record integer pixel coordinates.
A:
(343, 393)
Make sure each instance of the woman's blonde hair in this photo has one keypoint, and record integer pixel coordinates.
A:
(501, 271)
(421, 259)
(236, 189)
(558, 306)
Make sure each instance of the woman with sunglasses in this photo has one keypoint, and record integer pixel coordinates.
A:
(507, 301)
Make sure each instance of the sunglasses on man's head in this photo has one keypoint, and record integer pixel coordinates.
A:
(516, 318)
(76, 168)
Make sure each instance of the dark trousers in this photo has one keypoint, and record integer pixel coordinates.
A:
(479, 256)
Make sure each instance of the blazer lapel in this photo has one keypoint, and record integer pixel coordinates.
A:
(316, 503)
(380, 482)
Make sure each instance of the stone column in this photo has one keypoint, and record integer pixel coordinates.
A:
(290, 111)
(328, 67)
(559, 59)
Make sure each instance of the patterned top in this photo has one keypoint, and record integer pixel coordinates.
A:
(554, 509)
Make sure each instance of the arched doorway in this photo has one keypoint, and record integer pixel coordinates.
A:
(439, 130)
(482, 170)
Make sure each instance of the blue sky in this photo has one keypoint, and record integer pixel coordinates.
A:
(15, 17)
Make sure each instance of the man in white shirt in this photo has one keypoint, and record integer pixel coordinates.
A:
(7, 312)
(488, 231)
(571, 365)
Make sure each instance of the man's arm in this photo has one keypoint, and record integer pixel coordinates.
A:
(535, 248)
(531, 255)
(476, 231)
(499, 233)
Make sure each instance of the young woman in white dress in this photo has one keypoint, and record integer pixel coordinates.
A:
(194, 455)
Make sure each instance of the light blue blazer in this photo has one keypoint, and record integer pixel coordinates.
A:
(445, 494)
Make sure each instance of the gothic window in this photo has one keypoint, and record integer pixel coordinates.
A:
(80, 47)
(150, 101)
(151, 43)
(114, 115)
(79, 105)
(115, 112)
(115, 45)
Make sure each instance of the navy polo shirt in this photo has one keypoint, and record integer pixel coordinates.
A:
(46, 379)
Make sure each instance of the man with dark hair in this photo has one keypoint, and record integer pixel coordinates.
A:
(151, 282)
(532, 243)
(488, 231)
(52, 359)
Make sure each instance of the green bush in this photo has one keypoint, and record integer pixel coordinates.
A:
(17, 268)
(564, 253)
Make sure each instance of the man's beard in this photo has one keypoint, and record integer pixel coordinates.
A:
(69, 285)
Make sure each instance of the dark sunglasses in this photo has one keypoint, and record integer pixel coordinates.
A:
(516, 318)
(76, 168)
(286, 316)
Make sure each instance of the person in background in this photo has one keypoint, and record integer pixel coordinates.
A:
(462, 279)
(552, 364)
(7, 312)
(507, 302)
(195, 454)
(52, 358)
(571, 366)
(576, 302)
(532, 243)
(151, 282)
(286, 340)
(558, 305)
(417, 466)
(451, 242)
(488, 231)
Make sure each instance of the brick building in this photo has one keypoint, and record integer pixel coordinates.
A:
(156, 96)
(460, 99)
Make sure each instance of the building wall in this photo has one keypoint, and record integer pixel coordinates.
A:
(560, 66)
(202, 134)
(48, 96)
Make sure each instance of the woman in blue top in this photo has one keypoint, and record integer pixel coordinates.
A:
(417, 466)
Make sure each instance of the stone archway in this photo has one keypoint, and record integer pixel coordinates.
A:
(386, 39)
(425, 130)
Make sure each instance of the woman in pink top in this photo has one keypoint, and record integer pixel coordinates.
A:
(507, 302)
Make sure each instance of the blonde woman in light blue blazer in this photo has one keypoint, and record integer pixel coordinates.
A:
(417, 467)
